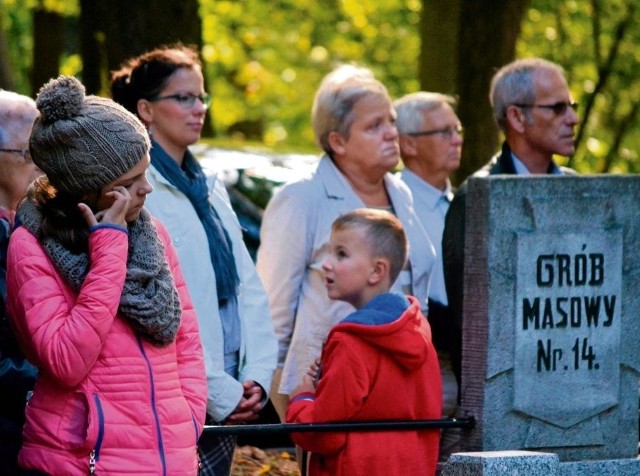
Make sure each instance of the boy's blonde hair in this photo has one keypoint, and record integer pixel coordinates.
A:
(384, 235)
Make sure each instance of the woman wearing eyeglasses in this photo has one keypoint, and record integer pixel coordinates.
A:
(17, 170)
(165, 88)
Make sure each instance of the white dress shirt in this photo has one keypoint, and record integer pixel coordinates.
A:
(431, 205)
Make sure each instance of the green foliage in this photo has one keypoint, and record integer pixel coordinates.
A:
(269, 70)
(582, 37)
(16, 23)
(265, 58)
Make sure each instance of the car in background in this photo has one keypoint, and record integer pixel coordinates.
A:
(251, 179)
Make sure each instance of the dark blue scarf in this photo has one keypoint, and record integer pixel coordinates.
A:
(191, 180)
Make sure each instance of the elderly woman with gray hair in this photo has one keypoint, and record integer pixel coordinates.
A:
(354, 123)
(17, 170)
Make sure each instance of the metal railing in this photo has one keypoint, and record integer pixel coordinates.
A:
(382, 425)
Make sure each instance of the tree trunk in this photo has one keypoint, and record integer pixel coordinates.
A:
(486, 42)
(93, 47)
(48, 45)
(131, 28)
(116, 30)
(439, 30)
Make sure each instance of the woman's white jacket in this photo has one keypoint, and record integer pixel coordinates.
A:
(258, 349)
(294, 242)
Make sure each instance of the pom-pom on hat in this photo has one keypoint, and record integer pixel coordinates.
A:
(83, 142)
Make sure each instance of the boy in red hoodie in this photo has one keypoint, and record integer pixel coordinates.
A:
(377, 364)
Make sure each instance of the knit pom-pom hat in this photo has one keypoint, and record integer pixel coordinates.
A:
(84, 142)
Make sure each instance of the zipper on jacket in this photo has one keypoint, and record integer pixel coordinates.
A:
(195, 428)
(153, 407)
(92, 462)
(94, 455)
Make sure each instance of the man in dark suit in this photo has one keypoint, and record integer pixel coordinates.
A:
(533, 107)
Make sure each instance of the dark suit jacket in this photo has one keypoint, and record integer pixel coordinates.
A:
(453, 245)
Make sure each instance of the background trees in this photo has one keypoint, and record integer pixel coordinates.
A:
(463, 43)
(265, 58)
(596, 42)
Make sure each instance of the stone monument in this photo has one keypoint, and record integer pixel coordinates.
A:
(551, 338)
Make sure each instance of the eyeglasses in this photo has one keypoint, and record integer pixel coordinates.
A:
(446, 133)
(186, 101)
(26, 155)
(559, 108)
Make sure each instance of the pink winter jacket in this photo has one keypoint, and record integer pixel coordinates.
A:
(103, 394)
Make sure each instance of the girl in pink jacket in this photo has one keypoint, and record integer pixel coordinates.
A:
(99, 303)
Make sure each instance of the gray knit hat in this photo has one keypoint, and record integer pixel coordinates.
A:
(84, 142)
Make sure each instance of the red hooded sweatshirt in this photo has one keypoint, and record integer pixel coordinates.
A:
(377, 364)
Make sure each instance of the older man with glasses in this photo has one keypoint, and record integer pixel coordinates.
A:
(431, 147)
(17, 376)
(533, 107)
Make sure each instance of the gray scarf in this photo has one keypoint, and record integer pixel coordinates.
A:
(149, 297)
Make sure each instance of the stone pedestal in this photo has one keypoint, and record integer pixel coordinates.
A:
(551, 360)
(528, 463)
(499, 463)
